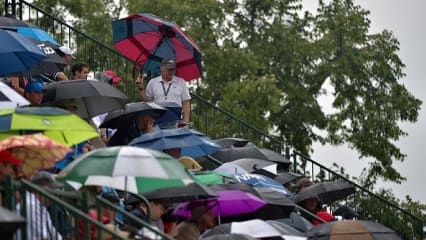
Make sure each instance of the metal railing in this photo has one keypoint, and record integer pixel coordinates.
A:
(368, 205)
(64, 214)
(207, 117)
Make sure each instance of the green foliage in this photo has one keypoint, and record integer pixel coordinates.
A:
(268, 64)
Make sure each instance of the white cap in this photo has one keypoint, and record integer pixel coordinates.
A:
(66, 51)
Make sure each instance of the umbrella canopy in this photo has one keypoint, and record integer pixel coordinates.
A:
(287, 177)
(232, 142)
(245, 165)
(296, 221)
(256, 228)
(93, 97)
(17, 53)
(262, 181)
(54, 62)
(180, 194)
(229, 236)
(35, 150)
(269, 196)
(212, 177)
(117, 118)
(9, 98)
(131, 169)
(26, 29)
(55, 123)
(327, 192)
(250, 151)
(191, 142)
(352, 230)
(228, 203)
(147, 39)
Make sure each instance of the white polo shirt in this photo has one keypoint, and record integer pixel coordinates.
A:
(161, 91)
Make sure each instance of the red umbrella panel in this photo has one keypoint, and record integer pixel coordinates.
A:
(147, 39)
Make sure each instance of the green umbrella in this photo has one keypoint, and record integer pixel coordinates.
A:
(132, 169)
(55, 123)
(212, 177)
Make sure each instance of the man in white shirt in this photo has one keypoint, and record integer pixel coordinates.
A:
(166, 88)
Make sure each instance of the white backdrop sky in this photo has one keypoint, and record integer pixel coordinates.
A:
(407, 20)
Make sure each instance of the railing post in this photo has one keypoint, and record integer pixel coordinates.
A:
(8, 193)
(12, 4)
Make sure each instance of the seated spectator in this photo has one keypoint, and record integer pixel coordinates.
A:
(79, 71)
(34, 92)
(202, 218)
(157, 208)
(67, 54)
(39, 221)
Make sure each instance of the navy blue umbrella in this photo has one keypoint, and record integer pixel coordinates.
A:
(191, 142)
(18, 53)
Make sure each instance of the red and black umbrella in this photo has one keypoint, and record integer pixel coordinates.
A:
(147, 39)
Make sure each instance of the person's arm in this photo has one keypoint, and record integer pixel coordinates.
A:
(14, 83)
(60, 76)
(141, 89)
(186, 111)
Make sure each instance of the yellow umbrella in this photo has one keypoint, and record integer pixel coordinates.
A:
(35, 150)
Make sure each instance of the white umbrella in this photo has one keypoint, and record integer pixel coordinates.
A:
(9, 98)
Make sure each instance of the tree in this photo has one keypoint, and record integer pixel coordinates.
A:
(255, 48)
(364, 71)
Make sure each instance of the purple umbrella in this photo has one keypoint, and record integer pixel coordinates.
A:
(228, 203)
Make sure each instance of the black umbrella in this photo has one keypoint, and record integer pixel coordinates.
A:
(54, 62)
(296, 221)
(287, 177)
(327, 192)
(359, 230)
(346, 212)
(229, 236)
(235, 142)
(93, 97)
(180, 194)
(117, 118)
(9, 223)
(234, 153)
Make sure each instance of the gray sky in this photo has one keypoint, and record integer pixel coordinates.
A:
(407, 20)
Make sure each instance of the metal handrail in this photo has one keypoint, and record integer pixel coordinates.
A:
(357, 186)
(263, 138)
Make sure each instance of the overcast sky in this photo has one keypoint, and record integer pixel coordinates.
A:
(407, 20)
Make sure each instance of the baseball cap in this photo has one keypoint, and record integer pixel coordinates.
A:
(35, 86)
(6, 156)
(67, 51)
(115, 78)
(168, 63)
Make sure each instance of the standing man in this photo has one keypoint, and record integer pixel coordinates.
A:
(166, 88)
(79, 71)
